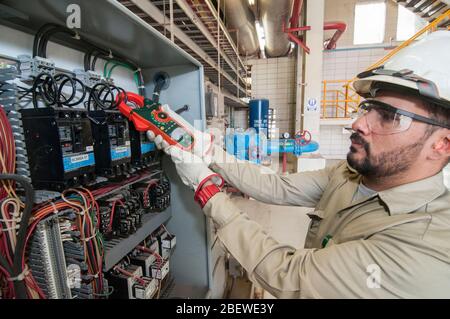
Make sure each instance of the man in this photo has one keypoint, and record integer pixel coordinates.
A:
(381, 224)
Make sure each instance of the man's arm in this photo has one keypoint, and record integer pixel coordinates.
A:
(301, 189)
(339, 271)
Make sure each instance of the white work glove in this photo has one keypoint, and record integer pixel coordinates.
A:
(191, 168)
(216, 154)
(202, 141)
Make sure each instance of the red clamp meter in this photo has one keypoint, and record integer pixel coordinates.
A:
(147, 115)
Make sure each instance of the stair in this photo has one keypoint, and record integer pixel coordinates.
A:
(428, 9)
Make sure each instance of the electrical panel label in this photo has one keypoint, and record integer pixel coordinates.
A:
(72, 163)
(120, 152)
(147, 147)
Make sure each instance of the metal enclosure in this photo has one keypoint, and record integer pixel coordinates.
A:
(108, 24)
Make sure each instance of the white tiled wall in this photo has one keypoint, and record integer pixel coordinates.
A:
(345, 64)
(334, 143)
(274, 79)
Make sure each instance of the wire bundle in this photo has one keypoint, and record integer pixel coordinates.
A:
(13, 229)
(49, 89)
(137, 73)
(7, 155)
(83, 204)
(105, 96)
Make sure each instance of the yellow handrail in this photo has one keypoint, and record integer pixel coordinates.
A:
(344, 101)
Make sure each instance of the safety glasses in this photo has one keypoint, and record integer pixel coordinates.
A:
(385, 119)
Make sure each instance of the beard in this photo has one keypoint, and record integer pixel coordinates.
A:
(385, 164)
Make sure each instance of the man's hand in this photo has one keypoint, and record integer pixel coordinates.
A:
(191, 168)
(203, 142)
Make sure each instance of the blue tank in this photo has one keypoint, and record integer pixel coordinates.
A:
(259, 116)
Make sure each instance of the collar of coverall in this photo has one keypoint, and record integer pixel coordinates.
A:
(407, 198)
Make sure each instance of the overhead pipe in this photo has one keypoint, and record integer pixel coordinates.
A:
(273, 15)
(240, 18)
(294, 21)
(340, 28)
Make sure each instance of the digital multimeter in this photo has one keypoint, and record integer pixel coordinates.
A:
(147, 115)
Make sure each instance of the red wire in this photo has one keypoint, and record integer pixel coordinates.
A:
(129, 274)
(11, 293)
(145, 249)
(7, 147)
(151, 183)
(111, 218)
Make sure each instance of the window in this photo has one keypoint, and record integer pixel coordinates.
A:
(408, 24)
(370, 21)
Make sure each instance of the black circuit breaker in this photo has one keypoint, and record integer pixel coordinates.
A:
(111, 143)
(60, 147)
(143, 152)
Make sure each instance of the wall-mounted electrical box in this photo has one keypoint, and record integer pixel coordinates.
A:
(69, 147)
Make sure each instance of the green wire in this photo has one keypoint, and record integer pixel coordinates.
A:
(107, 73)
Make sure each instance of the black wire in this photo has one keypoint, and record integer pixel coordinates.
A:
(42, 48)
(99, 95)
(87, 60)
(73, 82)
(38, 36)
(59, 94)
(19, 286)
(36, 89)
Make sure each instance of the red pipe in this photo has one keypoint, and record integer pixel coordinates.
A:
(298, 5)
(299, 42)
(340, 28)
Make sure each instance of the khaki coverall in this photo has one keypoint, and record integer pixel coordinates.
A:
(394, 244)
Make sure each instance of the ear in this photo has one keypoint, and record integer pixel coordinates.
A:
(441, 148)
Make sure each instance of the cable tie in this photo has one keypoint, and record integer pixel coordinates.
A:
(10, 228)
(21, 276)
(86, 239)
(17, 220)
(55, 210)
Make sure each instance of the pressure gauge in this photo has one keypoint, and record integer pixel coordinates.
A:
(285, 135)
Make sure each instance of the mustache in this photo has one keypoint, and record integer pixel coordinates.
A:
(356, 138)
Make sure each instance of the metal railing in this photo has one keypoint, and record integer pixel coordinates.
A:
(339, 99)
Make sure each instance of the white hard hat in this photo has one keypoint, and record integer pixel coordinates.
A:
(423, 66)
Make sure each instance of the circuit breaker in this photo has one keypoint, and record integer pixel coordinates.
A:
(112, 143)
(60, 147)
(143, 152)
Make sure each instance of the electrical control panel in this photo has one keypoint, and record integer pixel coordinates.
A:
(103, 194)
(60, 147)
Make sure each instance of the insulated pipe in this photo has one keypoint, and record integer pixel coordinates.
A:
(240, 18)
(274, 15)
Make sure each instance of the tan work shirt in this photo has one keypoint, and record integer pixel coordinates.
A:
(394, 244)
